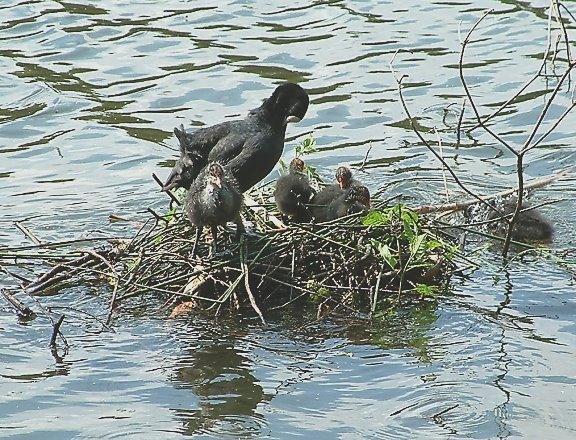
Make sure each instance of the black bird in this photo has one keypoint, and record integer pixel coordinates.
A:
(530, 225)
(213, 200)
(293, 192)
(250, 148)
(354, 199)
(330, 193)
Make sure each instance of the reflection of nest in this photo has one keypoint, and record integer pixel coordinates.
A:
(341, 262)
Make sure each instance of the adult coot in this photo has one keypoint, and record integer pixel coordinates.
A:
(250, 148)
(213, 200)
(293, 192)
(354, 199)
(530, 225)
(321, 201)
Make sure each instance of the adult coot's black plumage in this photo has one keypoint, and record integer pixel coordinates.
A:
(530, 225)
(354, 199)
(330, 193)
(213, 200)
(293, 192)
(250, 148)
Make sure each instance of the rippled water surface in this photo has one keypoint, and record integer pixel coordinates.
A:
(90, 93)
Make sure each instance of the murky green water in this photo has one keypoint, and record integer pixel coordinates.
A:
(90, 94)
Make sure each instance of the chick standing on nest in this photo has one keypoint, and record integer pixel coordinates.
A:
(293, 192)
(213, 199)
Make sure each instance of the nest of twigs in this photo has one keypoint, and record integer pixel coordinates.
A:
(357, 261)
(360, 262)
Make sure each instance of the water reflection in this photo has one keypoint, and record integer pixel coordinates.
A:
(221, 379)
(229, 390)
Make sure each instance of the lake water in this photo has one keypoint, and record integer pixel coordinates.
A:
(90, 94)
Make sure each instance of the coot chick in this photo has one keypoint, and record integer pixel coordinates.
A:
(330, 193)
(530, 225)
(345, 179)
(213, 200)
(250, 147)
(293, 192)
(354, 199)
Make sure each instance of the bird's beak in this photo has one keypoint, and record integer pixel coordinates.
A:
(173, 180)
(216, 181)
(292, 118)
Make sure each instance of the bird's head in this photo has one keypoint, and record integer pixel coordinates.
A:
(343, 177)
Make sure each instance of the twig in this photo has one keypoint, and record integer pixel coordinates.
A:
(14, 275)
(54, 275)
(55, 244)
(28, 233)
(562, 26)
(55, 331)
(427, 144)
(437, 416)
(170, 193)
(547, 106)
(553, 127)
(23, 312)
(481, 123)
(158, 217)
(363, 164)
(245, 272)
(459, 126)
(459, 206)
(83, 312)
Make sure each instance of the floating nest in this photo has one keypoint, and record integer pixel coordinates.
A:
(360, 263)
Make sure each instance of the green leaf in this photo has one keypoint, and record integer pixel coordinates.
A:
(386, 254)
(427, 291)
(170, 214)
(307, 146)
(416, 244)
(434, 244)
(283, 166)
(376, 218)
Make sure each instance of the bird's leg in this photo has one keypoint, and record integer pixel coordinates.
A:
(214, 230)
(196, 240)
(239, 227)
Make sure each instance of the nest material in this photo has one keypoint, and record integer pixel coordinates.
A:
(359, 262)
(355, 261)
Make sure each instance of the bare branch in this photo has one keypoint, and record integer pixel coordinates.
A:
(56, 331)
(552, 128)
(547, 106)
(432, 150)
(459, 206)
(28, 233)
(481, 123)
